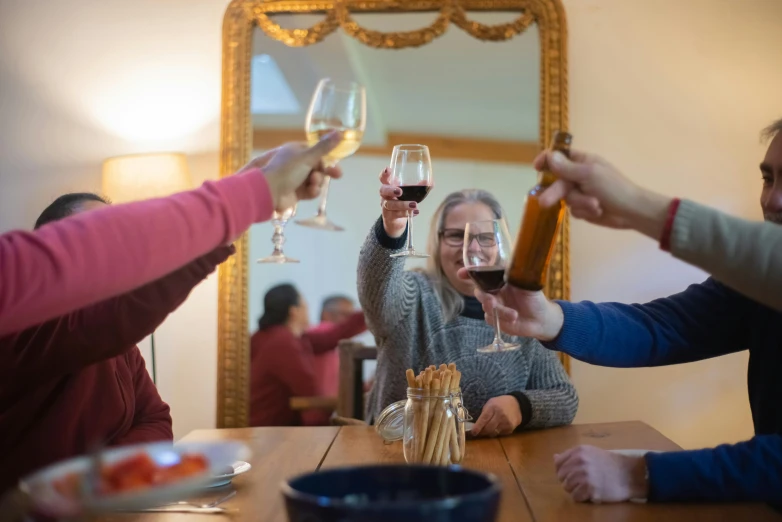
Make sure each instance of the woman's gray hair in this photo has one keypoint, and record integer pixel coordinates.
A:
(451, 299)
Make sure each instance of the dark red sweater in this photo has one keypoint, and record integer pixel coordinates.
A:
(79, 380)
(282, 366)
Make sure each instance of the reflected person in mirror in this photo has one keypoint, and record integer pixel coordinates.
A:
(283, 359)
(338, 320)
(431, 317)
(707, 320)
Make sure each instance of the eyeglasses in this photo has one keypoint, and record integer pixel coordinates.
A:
(455, 237)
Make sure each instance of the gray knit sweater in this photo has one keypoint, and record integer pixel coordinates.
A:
(405, 315)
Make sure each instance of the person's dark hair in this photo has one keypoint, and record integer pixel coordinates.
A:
(276, 305)
(770, 132)
(332, 300)
(66, 205)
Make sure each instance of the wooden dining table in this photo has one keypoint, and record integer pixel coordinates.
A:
(522, 462)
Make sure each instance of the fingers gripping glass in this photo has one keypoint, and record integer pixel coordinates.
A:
(487, 251)
(338, 107)
(279, 220)
(411, 171)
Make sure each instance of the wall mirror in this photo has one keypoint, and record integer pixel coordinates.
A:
(482, 82)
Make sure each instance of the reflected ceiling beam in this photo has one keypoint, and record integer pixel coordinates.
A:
(441, 147)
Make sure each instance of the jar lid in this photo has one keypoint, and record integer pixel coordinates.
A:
(391, 422)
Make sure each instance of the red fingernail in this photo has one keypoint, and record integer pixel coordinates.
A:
(416, 212)
(412, 205)
(397, 192)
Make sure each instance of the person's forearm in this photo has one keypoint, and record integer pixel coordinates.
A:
(649, 214)
(384, 292)
(89, 257)
(749, 471)
(743, 255)
(326, 337)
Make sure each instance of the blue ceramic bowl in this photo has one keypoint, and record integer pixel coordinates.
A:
(392, 493)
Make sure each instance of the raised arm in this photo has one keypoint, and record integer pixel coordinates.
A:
(387, 292)
(704, 321)
(743, 255)
(89, 257)
(100, 331)
(327, 336)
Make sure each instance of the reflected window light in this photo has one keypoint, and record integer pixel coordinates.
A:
(270, 92)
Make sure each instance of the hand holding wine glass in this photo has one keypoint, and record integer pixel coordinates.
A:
(335, 107)
(394, 211)
(412, 179)
(487, 250)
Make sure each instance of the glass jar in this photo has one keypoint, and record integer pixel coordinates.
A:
(431, 427)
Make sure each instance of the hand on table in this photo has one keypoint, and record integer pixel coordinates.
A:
(394, 211)
(593, 474)
(295, 171)
(500, 416)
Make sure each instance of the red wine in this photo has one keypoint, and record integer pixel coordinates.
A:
(491, 279)
(415, 193)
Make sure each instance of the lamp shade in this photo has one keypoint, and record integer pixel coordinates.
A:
(145, 176)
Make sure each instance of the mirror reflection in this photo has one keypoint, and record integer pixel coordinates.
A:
(475, 105)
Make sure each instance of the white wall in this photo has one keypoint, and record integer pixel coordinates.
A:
(673, 92)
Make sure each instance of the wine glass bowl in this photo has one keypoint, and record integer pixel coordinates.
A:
(341, 107)
(487, 251)
(411, 171)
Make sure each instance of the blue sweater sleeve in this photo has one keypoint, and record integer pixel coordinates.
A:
(749, 471)
(706, 320)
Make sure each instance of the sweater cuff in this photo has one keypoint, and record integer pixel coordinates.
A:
(386, 241)
(681, 239)
(578, 330)
(526, 409)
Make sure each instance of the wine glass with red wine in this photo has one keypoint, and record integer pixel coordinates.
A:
(411, 171)
(487, 251)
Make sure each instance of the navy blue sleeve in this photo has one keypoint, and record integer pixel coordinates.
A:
(706, 320)
(749, 471)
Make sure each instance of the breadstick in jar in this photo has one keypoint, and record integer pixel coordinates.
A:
(441, 421)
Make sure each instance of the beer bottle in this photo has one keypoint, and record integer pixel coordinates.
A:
(535, 243)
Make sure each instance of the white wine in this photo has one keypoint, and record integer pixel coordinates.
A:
(351, 141)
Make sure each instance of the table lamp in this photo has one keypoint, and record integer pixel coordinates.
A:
(145, 176)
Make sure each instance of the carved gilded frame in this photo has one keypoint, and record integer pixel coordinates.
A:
(242, 16)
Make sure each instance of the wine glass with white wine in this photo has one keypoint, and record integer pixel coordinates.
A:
(279, 220)
(335, 106)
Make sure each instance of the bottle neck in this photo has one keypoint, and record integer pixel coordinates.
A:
(546, 178)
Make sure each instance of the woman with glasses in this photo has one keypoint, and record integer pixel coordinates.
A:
(429, 317)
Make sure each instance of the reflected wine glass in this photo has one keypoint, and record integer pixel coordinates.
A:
(411, 171)
(279, 220)
(339, 107)
(487, 251)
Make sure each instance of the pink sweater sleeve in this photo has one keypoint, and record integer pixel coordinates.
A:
(92, 256)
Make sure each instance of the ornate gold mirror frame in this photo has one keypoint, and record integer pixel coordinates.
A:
(242, 16)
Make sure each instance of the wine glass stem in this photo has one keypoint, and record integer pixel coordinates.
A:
(278, 239)
(324, 197)
(497, 332)
(409, 230)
